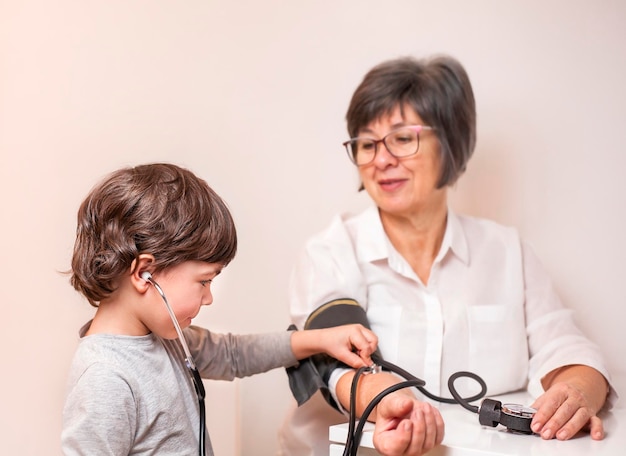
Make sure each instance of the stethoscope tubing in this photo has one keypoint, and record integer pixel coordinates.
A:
(195, 375)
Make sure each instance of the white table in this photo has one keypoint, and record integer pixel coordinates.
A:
(464, 436)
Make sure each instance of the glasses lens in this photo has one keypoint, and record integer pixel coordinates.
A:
(402, 142)
(361, 150)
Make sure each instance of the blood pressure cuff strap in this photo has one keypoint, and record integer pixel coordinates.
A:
(313, 373)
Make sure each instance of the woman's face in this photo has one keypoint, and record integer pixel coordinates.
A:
(403, 187)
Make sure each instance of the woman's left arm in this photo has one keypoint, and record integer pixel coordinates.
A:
(567, 372)
(573, 396)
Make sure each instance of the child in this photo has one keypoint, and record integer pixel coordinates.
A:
(149, 242)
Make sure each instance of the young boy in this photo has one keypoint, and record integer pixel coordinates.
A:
(149, 242)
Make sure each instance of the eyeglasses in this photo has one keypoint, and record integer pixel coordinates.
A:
(402, 142)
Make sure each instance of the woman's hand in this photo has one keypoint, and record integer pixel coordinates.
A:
(574, 395)
(351, 344)
(406, 426)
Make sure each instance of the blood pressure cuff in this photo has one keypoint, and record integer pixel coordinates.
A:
(313, 373)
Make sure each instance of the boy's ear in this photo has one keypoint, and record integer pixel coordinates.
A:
(143, 263)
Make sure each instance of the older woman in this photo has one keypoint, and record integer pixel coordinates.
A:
(444, 292)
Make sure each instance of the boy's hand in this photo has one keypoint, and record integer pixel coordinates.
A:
(351, 344)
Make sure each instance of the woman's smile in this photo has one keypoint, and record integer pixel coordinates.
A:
(391, 185)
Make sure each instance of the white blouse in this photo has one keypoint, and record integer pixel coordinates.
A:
(489, 306)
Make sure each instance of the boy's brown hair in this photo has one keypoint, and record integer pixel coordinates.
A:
(159, 209)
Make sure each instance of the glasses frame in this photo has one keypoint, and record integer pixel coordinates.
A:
(417, 128)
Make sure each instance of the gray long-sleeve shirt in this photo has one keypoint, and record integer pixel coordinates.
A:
(130, 395)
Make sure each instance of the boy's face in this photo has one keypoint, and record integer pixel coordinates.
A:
(187, 288)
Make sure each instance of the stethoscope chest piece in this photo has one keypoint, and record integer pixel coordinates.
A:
(515, 417)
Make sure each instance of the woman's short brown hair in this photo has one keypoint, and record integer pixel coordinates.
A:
(160, 209)
(438, 89)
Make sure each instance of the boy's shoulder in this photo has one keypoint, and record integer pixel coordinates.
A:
(116, 352)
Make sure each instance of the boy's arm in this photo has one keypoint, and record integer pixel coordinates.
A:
(98, 416)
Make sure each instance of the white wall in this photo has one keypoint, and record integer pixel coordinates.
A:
(251, 95)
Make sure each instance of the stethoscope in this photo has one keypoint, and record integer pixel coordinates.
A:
(191, 366)
(515, 417)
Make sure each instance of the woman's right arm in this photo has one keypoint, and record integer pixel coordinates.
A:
(404, 425)
(328, 269)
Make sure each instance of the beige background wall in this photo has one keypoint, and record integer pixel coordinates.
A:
(251, 95)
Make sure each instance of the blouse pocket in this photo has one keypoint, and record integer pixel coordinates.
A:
(498, 348)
